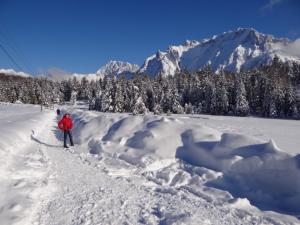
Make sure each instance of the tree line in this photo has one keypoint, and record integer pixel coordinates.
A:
(271, 91)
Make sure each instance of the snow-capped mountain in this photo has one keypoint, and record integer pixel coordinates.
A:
(112, 68)
(166, 62)
(117, 68)
(242, 49)
(13, 72)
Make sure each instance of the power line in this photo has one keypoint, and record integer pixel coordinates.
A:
(14, 51)
(11, 58)
(9, 64)
(7, 37)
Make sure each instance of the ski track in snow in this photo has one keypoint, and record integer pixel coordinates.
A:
(48, 185)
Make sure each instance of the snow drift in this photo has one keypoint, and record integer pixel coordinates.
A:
(18, 123)
(22, 168)
(148, 169)
(260, 172)
(245, 166)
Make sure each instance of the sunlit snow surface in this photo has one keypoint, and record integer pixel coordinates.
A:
(178, 169)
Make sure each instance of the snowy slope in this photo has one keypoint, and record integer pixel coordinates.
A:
(232, 51)
(147, 169)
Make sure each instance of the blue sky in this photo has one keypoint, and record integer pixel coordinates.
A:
(81, 36)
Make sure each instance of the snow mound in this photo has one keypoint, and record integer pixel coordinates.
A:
(260, 172)
(246, 167)
(22, 167)
(18, 123)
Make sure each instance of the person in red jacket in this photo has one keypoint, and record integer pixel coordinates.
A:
(66, 124)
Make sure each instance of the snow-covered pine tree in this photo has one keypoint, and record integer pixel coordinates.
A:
(119, 96)
(128, 95)
(176, 106)
(188, 108)
(157, 93)
(75, 86)
(83, 89)
(196, 91)
(210, 98)
(139, 107)
(107, 96)
(221, 94)
(73, 97)
(157, 110)
(241, 103)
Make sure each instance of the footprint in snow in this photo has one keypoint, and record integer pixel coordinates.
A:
(15, 207)
(19, 184)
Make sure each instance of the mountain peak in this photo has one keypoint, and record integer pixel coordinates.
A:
(114, 67)
(235, 50)
(191, 43)
(240, 49)
(246, 29)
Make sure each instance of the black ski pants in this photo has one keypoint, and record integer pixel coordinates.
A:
(66, 134)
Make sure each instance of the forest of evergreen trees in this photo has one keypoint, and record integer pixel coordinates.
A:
(272, 91)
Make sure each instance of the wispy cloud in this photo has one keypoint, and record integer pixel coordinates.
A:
(56, 74)
(290, 49)
(293, 48)
(270, 5)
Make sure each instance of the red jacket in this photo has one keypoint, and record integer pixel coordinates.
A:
(65, 124)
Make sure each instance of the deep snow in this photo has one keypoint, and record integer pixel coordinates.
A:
(125, 169)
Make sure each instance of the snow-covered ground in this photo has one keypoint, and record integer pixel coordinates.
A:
(125, 169)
